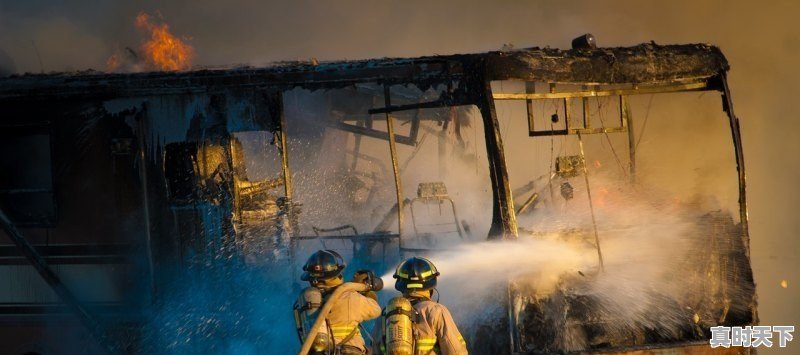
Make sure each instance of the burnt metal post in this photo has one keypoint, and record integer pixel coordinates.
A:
(288, 211)
(727, 103)
(627, 121)
(393, 151)
(356, 149)
(737, 145)
(144, 177)
(38, 262)
(504, 220)
(287, 176)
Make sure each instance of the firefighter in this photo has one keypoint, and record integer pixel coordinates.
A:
(340, 334)
(414, 323)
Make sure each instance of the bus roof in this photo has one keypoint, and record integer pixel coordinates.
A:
(644, 63)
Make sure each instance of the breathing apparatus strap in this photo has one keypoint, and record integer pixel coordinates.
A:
(412, 315)
(307, 306)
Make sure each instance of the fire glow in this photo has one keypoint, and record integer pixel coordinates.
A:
(163, 51)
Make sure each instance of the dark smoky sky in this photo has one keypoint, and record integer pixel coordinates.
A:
(760, 39)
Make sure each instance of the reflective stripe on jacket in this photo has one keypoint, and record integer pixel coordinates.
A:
(437, 332)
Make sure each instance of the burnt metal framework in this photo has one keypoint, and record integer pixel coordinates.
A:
(646, 68)
(659, 68)
(581, 127)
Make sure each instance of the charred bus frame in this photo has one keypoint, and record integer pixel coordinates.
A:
(642, 69)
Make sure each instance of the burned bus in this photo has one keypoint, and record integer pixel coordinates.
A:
(171, 211)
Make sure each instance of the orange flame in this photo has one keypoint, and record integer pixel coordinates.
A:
(163, 51)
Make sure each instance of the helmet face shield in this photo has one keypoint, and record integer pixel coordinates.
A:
(323, 265)
(415, 274)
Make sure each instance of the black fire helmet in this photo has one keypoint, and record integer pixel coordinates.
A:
(323, 265)
(415, 274)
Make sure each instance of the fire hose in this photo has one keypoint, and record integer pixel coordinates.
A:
(326, 308)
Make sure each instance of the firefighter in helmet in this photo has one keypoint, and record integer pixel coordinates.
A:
(340, 334)
(414, 323)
